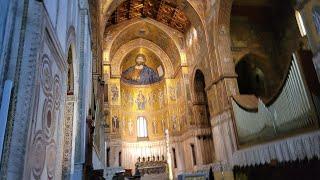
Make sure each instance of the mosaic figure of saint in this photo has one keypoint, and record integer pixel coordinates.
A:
(154, 124)
(163, 125)
(130, 99)
(174, 120)
(141, 101)
(130, 127)
(184, 120)
(124, 126)
(173, 93)
(115, 93)
(140, 74)
(151, 99)
(115, 123)
(125, 99)
(161, 99)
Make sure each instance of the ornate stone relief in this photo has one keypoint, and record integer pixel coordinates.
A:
(46, 129)
(44, 155)
(68, 134)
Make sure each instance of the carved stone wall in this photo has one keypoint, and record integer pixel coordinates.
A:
(36, 46)
(35, 141)
(46, 130)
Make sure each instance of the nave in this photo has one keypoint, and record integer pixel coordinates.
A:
(159, 89)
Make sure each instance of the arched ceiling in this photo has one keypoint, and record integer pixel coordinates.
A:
(146, 26)
(170, 42)
(164, 11)
(190, 9)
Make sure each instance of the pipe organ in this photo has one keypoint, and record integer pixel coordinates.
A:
(293, 109)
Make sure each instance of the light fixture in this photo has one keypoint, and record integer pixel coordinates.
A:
(302, 28)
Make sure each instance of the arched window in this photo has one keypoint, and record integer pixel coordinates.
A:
(70, 73)
(174, 158)
(201, 98)
(142, 127)
(193, 152)
(108, 157)
(120, 159)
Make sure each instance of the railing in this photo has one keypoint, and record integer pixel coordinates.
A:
(199, 176)
(293, 109)
(152, 167)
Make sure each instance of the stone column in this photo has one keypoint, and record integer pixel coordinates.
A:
(68, 136)
(32, 103)
(169, 161)
(79, 158)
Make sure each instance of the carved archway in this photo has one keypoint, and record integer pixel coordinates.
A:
(201, 116)
(192, 81)
(200, 99)
(128, 47)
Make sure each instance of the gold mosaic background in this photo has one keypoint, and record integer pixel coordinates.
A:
(162, 104)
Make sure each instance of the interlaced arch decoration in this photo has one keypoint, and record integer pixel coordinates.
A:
(117, 61)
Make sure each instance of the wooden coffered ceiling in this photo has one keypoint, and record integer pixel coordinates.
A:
(164, 11)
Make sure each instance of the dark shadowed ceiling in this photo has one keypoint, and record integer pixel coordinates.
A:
(164, 11)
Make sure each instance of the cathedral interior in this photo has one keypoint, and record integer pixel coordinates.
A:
(160, 89)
